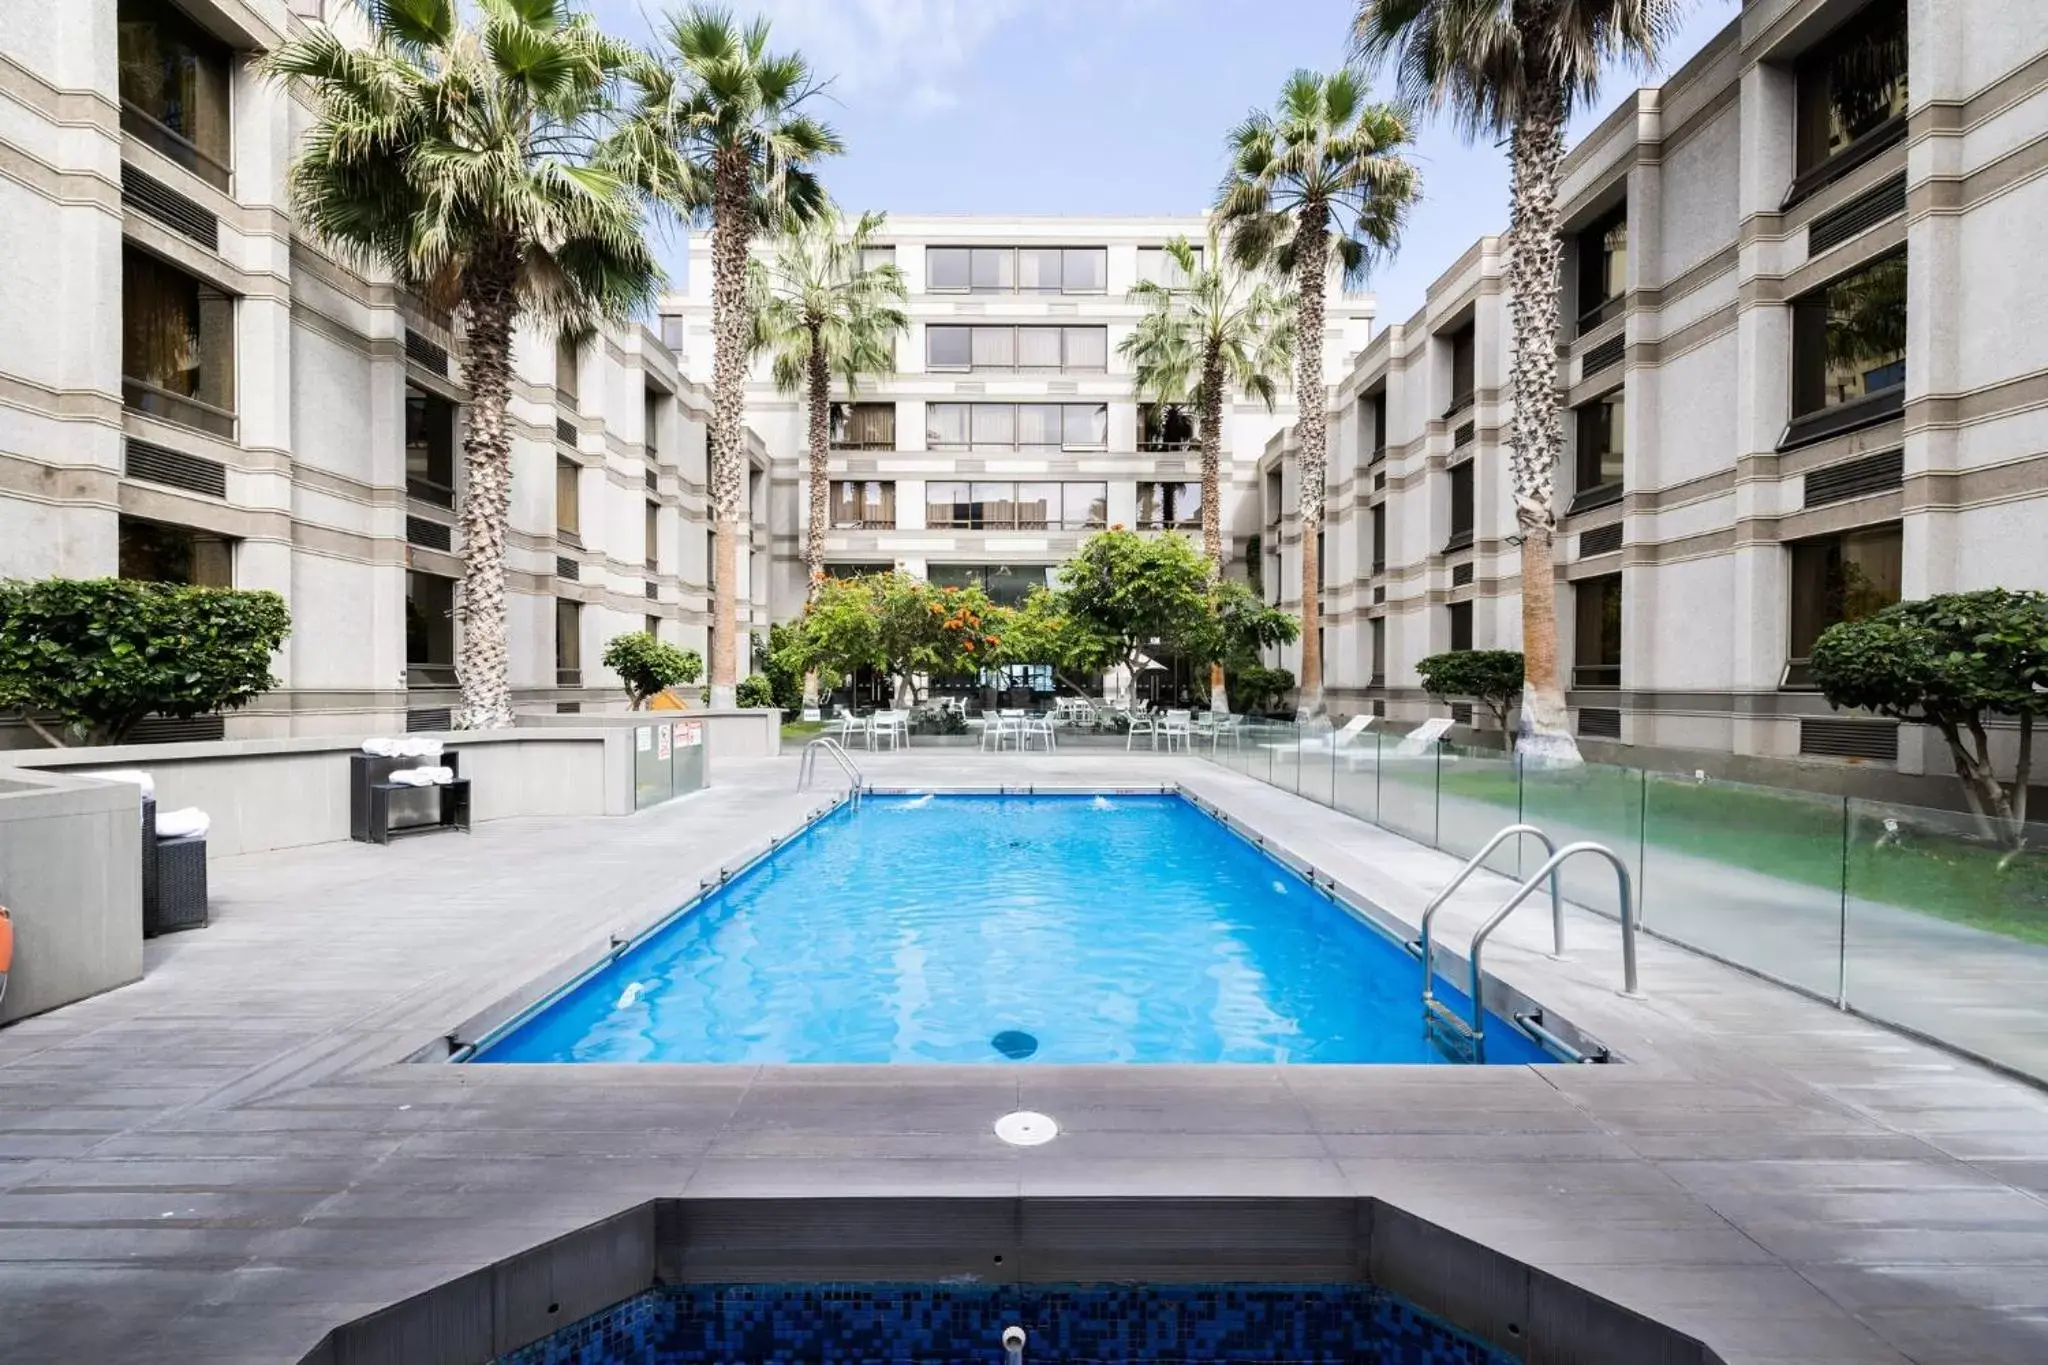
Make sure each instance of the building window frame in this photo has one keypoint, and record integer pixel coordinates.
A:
(430, 624)
(1460, 634)
(568, 642)
(1463, 352)
(1169, 505)
(862, 504)
(1000, 269)
(1816, 317)
(153, 380)
(862, 426)
(430, 461)
(1596, 643)
(167, 552)
(1599, 449)
(178, 35)
(1602, 253)
(1820, 591)
(568, 502)
(1818, 160)
(978, 333)
(1463, 499)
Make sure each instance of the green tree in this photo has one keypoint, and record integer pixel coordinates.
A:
(734, 115)
(819, 313)
(1951, 662)
(1043, 629)
(1517, 69)
(1491, 677)
(1218, 329)
(494, 167)
(100, 654)
(1140, 593)
(1323, 173)
(647, 665)
(900, 625)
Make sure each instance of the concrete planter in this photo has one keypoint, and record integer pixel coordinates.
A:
(71, 873)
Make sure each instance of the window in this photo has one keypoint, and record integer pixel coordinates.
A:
(1461, 507)
(1461, 625)
(429, 447)
(652, 625)
(1603, 269)
(156, 552)
(1322, 560)
(1463, 348)
(1378, 625)
(1596, 660)
(1851, 95)
(566, 376)
(857, 570)
(1032, 350)
(653, 540)
(1849, 339)
(1038, 350)
(1379, 538)
(711, 559)
(1008, 270)
(1085, 348)
(1600, 446)
(876, 258)
(1002, 506)
(1166, 426)
(863, 505)
(177, 345)
(429, 630)
(650, 426)
(1372, 416)
(1273, 495)
(568, 506)
(1839, 578)
(1156, 267)
(672, 331)
(174, 78)
(1016, 426)
(1006, 586)
(863, 426)
(568, 643)
(1169, 506)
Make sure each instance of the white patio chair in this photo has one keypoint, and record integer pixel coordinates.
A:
(847, 727)
(891, 725)
(1036, 727)
(1142, 723)
(1178, 727)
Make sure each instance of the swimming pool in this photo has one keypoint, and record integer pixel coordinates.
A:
(994, 928)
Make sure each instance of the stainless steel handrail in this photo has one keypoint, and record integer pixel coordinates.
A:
(1549, 869)
(831, 748)
(1471, 866)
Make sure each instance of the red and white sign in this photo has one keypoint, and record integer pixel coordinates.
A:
(689, 733)
(661, 743)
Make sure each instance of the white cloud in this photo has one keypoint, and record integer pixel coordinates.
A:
(912, 52)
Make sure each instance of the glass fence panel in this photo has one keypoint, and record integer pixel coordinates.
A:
(1318, 765)
(1478, 792)
(1355, 777)
(652, 781)
(1408, 790)
(1590, 803)
(1750, 874)
(1948, 929)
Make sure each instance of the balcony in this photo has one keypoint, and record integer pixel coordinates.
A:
(568, 677)
(426, 490)
(1459, 403)
(1460, 540)
(139, 395)
(1606, 495)
(864, 524)
(425, 675)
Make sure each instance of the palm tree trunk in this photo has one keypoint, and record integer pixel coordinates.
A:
(820, 377)
(1212, 496)
(482, 665)
(729, 232)
(1312, 250)
(1536, 423)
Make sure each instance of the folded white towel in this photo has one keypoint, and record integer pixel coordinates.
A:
(414, 777)
(442, 776)
(382, 748)
(428, 748)
(135, 775)
(179, 824)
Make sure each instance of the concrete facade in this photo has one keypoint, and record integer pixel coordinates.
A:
(1722, 475)
(293, 474)
(915, 454)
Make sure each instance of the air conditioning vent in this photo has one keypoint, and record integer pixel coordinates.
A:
(568, 708)
(1850, 739)
(153, 463)
(1379, 707)
(568, 568)
(653, 591)
(1600, 722)
(565, 431)
(1379, 481)
(1856, 217)
(433, 535)
(1856, 478)
(427, 718)
(1379, 594)
(1461, 574)
(1464, 435)
(426, 354)
(1461, 713)
(653, 481)
(177, 730)
(187, 217)
(1604, 356)
(1601, 540)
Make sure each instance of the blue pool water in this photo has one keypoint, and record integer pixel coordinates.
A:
(1004, 928)
(818, 1324)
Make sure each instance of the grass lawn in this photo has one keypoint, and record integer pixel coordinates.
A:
(1938, 865)
(801, 730)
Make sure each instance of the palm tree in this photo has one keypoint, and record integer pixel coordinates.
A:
(1322, 173)
(1518, 69)
(490, 168)
(735, 117)
(1218, 328)
(818, 312)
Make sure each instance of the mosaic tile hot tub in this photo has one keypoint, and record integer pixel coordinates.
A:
(823, 1324)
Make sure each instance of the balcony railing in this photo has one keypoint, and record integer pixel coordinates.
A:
(1586, 500)
(426, 490)
(139, 395)
(1459, 402)
(1596, 675)
(173, 145)
(869, 443)
(1177, 443)
(568, 677)
(1846, 160)
(429, 675)
(1378, 455)
(864, 523)
(1460, 540)
(1599, 313)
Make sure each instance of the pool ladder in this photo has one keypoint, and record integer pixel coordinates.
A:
(1443, 1020)
(830, 747)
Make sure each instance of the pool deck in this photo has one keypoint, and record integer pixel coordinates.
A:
(223, 1161)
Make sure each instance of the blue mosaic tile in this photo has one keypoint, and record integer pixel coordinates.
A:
(896, 1324)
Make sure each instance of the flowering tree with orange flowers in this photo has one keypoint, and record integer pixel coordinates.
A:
(899, 625)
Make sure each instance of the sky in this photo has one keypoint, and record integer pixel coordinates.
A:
(1103, 106)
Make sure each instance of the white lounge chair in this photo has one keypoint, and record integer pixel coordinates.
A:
(1422, 740)
(1335, 742)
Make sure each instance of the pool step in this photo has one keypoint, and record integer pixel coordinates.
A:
(1450, 1033)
